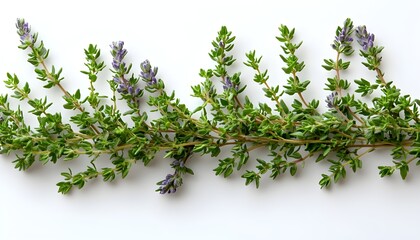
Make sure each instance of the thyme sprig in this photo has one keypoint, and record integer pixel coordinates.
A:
(291, 133)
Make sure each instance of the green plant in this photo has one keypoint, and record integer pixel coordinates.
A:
(291, 133)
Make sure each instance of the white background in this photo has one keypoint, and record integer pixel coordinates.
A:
(176, 36)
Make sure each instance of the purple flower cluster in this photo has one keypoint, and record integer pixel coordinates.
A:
(344, 36)
(228, 84)
(24, 31)
(330, 100)
(169, 184)
(147, 73)
(177, 163)
(118, 53)
(365, 39)
(124, 86)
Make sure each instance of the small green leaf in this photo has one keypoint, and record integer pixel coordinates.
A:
(64, 187)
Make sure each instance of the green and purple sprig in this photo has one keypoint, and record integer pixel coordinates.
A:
(353, 124)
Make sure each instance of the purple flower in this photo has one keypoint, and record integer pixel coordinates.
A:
(344, 37)
(147, 73)
(169, 184)
(118, 53)
(330, 100)
(24, 31)
(125, 87)
(177, 163)
(228, 84)
(365, 39)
